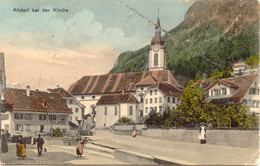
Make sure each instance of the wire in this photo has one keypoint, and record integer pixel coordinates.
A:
(166, 32)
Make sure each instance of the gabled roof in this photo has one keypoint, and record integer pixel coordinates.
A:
(241, 84)
(37, 101)
(149, 80)
(169, 90)
(116, 82)
(62, 92)
(116, 99)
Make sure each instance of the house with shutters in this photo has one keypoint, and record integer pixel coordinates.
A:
(243, 89)
(114, 95)
(34, 111)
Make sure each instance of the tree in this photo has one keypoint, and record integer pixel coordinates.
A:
(154, 119)
(193, 105)
(253, 61)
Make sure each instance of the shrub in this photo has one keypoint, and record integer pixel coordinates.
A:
(125, 120)
(57, 132)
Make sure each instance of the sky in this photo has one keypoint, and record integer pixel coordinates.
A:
(46, 49)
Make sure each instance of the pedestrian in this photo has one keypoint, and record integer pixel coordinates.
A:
(134, 131)
(40, 143)
(202, 135)
(80, 146)
(4, 147)
(21, 148)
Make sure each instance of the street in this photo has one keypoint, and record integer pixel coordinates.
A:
(55, 155)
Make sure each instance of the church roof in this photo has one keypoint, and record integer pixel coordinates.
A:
(158, 25)
(169, 89)
(116, 99)
(149, 80)
(116, 82)
(157, 40)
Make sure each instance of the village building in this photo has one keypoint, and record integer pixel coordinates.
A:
(112, 96)
(34, 112)
(74, 105)
(243, 89)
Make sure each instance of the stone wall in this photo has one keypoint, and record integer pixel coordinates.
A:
(241, 138)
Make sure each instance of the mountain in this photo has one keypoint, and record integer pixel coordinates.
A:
(212, 34)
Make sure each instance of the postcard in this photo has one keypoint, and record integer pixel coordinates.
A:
(120, 82)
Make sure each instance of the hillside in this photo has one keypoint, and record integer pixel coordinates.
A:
(221, 31)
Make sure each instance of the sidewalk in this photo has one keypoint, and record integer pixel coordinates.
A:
(178, 152)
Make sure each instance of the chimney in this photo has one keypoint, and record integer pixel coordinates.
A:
(28, 90)
(58, 86)
(123, 92)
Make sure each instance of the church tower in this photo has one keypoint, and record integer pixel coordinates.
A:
(157, 52)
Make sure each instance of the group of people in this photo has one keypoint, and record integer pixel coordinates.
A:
(21, 146)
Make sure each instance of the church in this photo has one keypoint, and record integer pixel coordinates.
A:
(109, 97)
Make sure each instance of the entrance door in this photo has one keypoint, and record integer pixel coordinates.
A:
(42, 127)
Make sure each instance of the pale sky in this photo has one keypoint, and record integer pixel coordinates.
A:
(48, 49)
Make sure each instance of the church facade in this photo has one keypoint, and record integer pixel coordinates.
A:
(134, 94)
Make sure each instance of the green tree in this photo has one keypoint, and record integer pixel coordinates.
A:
(253, 61)
(193, 107)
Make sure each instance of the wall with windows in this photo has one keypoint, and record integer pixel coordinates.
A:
(88, 101)
(76, 108)
(29, 123)
(219, 91)
(252, 98)
(154, 99)
(108, 115)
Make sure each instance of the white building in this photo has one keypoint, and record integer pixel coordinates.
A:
(74, 105)
(34, 111)
(241, 89)
(110, 108)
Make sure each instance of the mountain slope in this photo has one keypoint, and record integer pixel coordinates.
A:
(213, 31)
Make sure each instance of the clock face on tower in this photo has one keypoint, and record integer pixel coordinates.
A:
(155, 48)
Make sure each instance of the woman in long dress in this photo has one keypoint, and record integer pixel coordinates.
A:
(21, 148)
(80, 147)
(202, 135)
(134, 131)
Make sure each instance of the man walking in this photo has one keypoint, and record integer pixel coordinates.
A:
(40, 142)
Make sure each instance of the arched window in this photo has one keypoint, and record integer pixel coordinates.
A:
(115, 110)
(131, 110)
(105, 110)
(155, 59)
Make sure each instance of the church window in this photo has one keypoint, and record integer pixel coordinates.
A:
(155, 59)
(105, 110)
(131, 110)
(115, 110)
